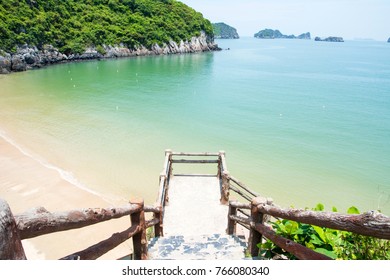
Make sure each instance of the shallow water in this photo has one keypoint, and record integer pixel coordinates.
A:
(301, 121)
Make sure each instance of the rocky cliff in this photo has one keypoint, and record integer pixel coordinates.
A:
(329, 39)
(388, 41)
(276, 34)
(30, 57)
(224, 31)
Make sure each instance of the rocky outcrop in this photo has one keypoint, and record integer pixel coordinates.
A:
(388, 41)
(224, 31)
(276, 34)
(27, 57)
(305, 36)
(5, 63)
(330, 39)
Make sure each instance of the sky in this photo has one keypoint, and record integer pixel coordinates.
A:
(350, 19)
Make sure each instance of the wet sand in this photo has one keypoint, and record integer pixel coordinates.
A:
(25, 183)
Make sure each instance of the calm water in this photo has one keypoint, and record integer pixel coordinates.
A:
(301, 121)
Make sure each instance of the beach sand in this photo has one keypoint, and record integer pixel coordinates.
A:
(26, 183)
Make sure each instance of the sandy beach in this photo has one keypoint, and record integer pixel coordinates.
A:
(25, 183)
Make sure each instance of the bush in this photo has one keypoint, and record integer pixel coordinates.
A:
(101, 50)
(335, 244)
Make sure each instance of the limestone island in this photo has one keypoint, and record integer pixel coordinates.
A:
(224, 31)
(388, 41)
(330, 39)
(38, 33)
(276, 34)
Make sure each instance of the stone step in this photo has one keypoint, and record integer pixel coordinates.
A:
(205, 247)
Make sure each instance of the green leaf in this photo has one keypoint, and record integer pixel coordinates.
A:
(334, 209)
(325, 252)
(319, 207)
(332, 238)
(353, 210)
(316, 241)
(320, 233)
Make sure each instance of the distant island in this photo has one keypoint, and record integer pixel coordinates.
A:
(388, 41)
(276, 34)
(330, 39)
(224, 31)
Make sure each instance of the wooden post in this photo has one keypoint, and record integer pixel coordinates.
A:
(231, 229)
(225, 188)
(140, 243)
(10, 244)
(164, 189)
(221, 157)
(158, 228)
(168, 165)
(255, 237)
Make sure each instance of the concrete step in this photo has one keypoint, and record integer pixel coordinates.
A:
(205, 247)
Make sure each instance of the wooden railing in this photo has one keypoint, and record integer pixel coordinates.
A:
(39, 222)
(372, 224)
(250, 211)
(192, 158)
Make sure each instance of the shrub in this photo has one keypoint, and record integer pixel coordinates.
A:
(335, 244)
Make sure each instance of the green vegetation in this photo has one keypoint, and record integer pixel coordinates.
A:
(269, 34)
(335, 244)
(224, 31)
(276, 34)
(73, 25)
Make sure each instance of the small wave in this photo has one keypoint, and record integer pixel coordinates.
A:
(65, 175)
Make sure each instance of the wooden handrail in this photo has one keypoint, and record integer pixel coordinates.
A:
(369, 224)
(244, 187)
(239, 192)
(152, 209)
(372, 224)
(40, 221)
(195, 154)
(99, 249)
(194, 161)
(239, 205)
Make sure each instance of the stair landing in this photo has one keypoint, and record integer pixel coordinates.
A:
(194, 207)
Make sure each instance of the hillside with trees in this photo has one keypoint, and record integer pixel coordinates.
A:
(224, 31)
(276, 34)
(72, 26)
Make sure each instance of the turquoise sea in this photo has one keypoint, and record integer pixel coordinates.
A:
(301, 121)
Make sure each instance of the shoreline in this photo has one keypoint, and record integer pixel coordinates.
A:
(25, 184)
(30, 57)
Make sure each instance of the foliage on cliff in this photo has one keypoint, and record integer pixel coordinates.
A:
(276, 34)
(224, 31)
(73, 25)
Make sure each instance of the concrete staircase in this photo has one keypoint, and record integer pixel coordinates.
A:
(205, 247)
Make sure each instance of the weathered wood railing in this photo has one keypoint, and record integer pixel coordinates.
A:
(191, 158)
(39, 222)
(371, 224)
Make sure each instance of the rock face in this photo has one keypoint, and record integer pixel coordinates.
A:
(5, 63)
(276, 34)
(329, 39)
(27, 57)
(224, 31)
